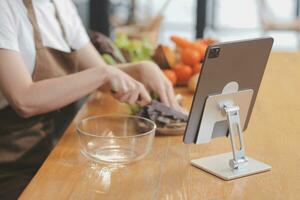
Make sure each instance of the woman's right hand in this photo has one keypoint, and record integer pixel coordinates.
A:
(125, 88)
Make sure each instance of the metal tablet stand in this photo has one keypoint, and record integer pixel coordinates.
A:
(232, 107)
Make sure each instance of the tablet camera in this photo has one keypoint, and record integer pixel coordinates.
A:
(214, 52)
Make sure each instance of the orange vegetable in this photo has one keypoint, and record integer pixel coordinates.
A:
(197, 68)
(190, 56)
(209, 41)
(201, 47)
(181, 42)
(183, 72)
(171, 75)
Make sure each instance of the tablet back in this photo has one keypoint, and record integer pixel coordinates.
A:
(241, 62)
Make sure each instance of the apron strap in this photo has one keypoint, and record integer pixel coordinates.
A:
(36, 30)
(58, 17)
(32, 18)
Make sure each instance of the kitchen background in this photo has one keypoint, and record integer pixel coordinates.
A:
(225, 19)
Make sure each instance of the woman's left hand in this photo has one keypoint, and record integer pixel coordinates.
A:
(154, 80)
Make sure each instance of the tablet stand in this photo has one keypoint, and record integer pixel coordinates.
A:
(233, 108)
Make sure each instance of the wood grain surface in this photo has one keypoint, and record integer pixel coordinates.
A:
(273, 136)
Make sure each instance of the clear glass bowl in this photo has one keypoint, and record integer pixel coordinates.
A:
(116, 138)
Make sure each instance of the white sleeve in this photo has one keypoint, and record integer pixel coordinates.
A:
(78, 37)
(8, 29)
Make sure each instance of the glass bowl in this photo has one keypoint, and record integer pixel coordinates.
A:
(116, 138)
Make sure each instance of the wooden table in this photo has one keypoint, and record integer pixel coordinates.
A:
(273, 136)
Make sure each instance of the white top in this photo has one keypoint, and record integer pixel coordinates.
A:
(16, 32)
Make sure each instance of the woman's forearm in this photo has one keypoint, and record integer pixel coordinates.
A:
(30, 98)
(48, 95)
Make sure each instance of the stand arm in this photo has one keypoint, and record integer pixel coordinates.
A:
(233, 119)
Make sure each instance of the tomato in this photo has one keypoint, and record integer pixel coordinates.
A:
(183, 72)
(171, 75)
(197, 68)
(190, 56)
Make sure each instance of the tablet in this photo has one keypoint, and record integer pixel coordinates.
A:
(240, 63)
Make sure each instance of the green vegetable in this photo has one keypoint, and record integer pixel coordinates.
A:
(109, 59)
(122, 40)
(137, 49)
(134, 108)
(155, 96)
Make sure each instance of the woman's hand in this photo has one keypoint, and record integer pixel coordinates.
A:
(154, 80)
(125, 88)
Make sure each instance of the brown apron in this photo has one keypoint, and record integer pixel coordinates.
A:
(22, 137)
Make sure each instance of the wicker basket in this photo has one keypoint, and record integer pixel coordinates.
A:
(137, 31)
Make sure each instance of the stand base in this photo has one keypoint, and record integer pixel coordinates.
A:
(218, 165)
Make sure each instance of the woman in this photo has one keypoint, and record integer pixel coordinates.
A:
(46, 63)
